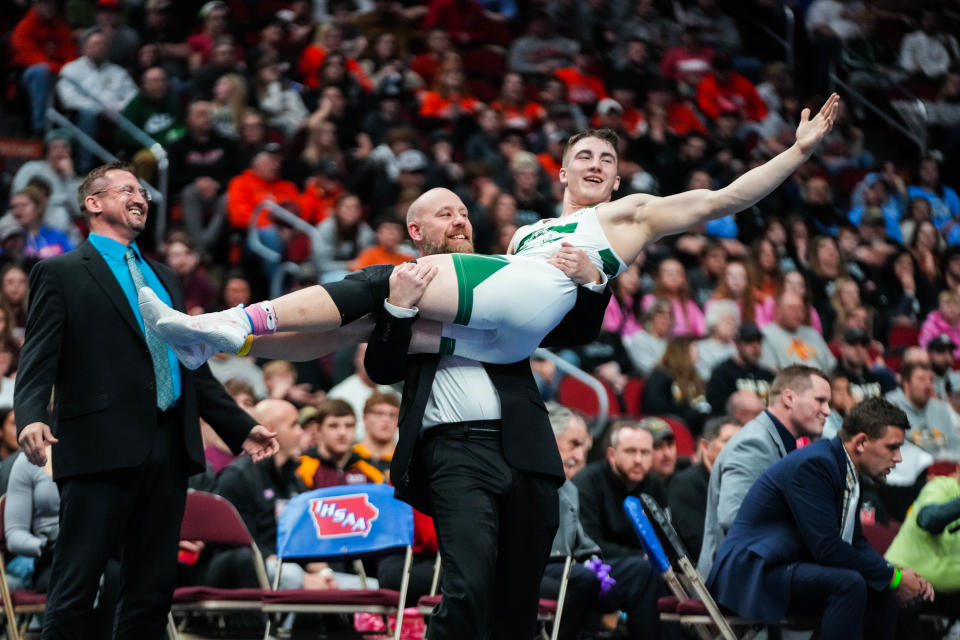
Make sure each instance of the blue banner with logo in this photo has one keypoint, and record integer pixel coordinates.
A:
(348, 520)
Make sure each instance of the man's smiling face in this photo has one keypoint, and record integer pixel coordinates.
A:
(590, 170)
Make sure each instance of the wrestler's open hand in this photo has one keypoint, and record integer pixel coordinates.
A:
(812, 130)
(261, 443)
(34, 439)
(408, 282)
(575, 264)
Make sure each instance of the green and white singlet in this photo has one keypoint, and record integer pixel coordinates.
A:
(518, 299)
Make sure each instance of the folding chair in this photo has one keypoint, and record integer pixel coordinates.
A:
(648, 538)
(342, 522)
(547, 610)
(17, 601)
(704, 610)
(211, 519)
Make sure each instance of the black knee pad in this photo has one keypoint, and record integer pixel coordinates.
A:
(361, 292)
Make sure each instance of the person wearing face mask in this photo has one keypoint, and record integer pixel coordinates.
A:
(798, 406)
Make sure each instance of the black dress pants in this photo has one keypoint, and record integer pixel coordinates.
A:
(494, 525)
(635, 593)
(135, 513)
(850, 610)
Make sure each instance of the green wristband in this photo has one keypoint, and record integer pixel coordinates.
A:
(897, 574)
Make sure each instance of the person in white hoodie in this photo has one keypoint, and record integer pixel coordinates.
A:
(90, 84)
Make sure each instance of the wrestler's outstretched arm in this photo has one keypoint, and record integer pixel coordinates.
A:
(633, 221)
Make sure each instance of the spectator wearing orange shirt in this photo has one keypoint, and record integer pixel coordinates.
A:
(328, 39)
(389, 237)
(449, 100)
(258, 183)
(516, 111)
(42, 42)
(552, 159)
(583, 88)
(427, 64)
(726, 91)
(321, 192)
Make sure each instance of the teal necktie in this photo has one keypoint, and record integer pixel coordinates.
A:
(158, 349)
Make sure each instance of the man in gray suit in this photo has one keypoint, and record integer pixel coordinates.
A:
(799, 404)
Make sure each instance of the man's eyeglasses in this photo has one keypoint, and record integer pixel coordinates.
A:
(128, 192)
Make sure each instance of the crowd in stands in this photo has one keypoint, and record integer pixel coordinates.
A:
(342, 112)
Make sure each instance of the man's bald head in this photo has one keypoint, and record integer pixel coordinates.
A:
(438, 223)
(272, 409)
(282, 418)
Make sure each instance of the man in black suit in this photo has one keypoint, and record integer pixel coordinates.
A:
(124, 423)
(476, 450)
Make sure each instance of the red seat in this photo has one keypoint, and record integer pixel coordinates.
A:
(668, 604)
(27, 597)
(692, 607)
(633, 396)
(429, 601)
(942, 468)
(577, 395)
(547, 607)
(201, 593)
(880, 536)
(359, 597)
(904, 336)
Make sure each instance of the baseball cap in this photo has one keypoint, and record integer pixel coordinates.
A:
(109, 4)
(658, 428)
(856, 336)
(607, 106)
(307, 413)
(558, 135)
(270, 147)
(941, 343)
(213, 5)
(749, 332)
(158, 5)
(411, 160)
(524, 161)
(10, 228)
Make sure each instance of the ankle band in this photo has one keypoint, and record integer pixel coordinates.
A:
(263, 318)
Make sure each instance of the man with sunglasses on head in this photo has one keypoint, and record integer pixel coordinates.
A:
(124, 425)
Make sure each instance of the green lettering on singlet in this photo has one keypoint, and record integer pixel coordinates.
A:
(610, 262)
(447, 345)
(471, 271)
(560, 229)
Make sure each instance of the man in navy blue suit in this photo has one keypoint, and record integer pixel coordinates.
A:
(796, 546)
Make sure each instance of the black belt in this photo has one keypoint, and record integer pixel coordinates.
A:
(470, 428)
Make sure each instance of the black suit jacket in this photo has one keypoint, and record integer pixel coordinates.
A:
(528, 441)
(84, 344)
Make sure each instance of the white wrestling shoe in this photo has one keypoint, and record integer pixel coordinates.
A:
(195, 338)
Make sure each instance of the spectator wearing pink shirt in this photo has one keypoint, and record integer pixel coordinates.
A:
(671, 284)
(944, 320)
(621, 316)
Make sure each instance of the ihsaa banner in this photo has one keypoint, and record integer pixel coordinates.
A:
(350, 520)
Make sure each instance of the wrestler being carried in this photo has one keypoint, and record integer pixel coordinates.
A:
(494, 308)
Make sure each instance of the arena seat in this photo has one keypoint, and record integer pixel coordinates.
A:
(633, 396)
(342, 522)
(16, 602)
(880, 536)
(576, 395)
(212, 520)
